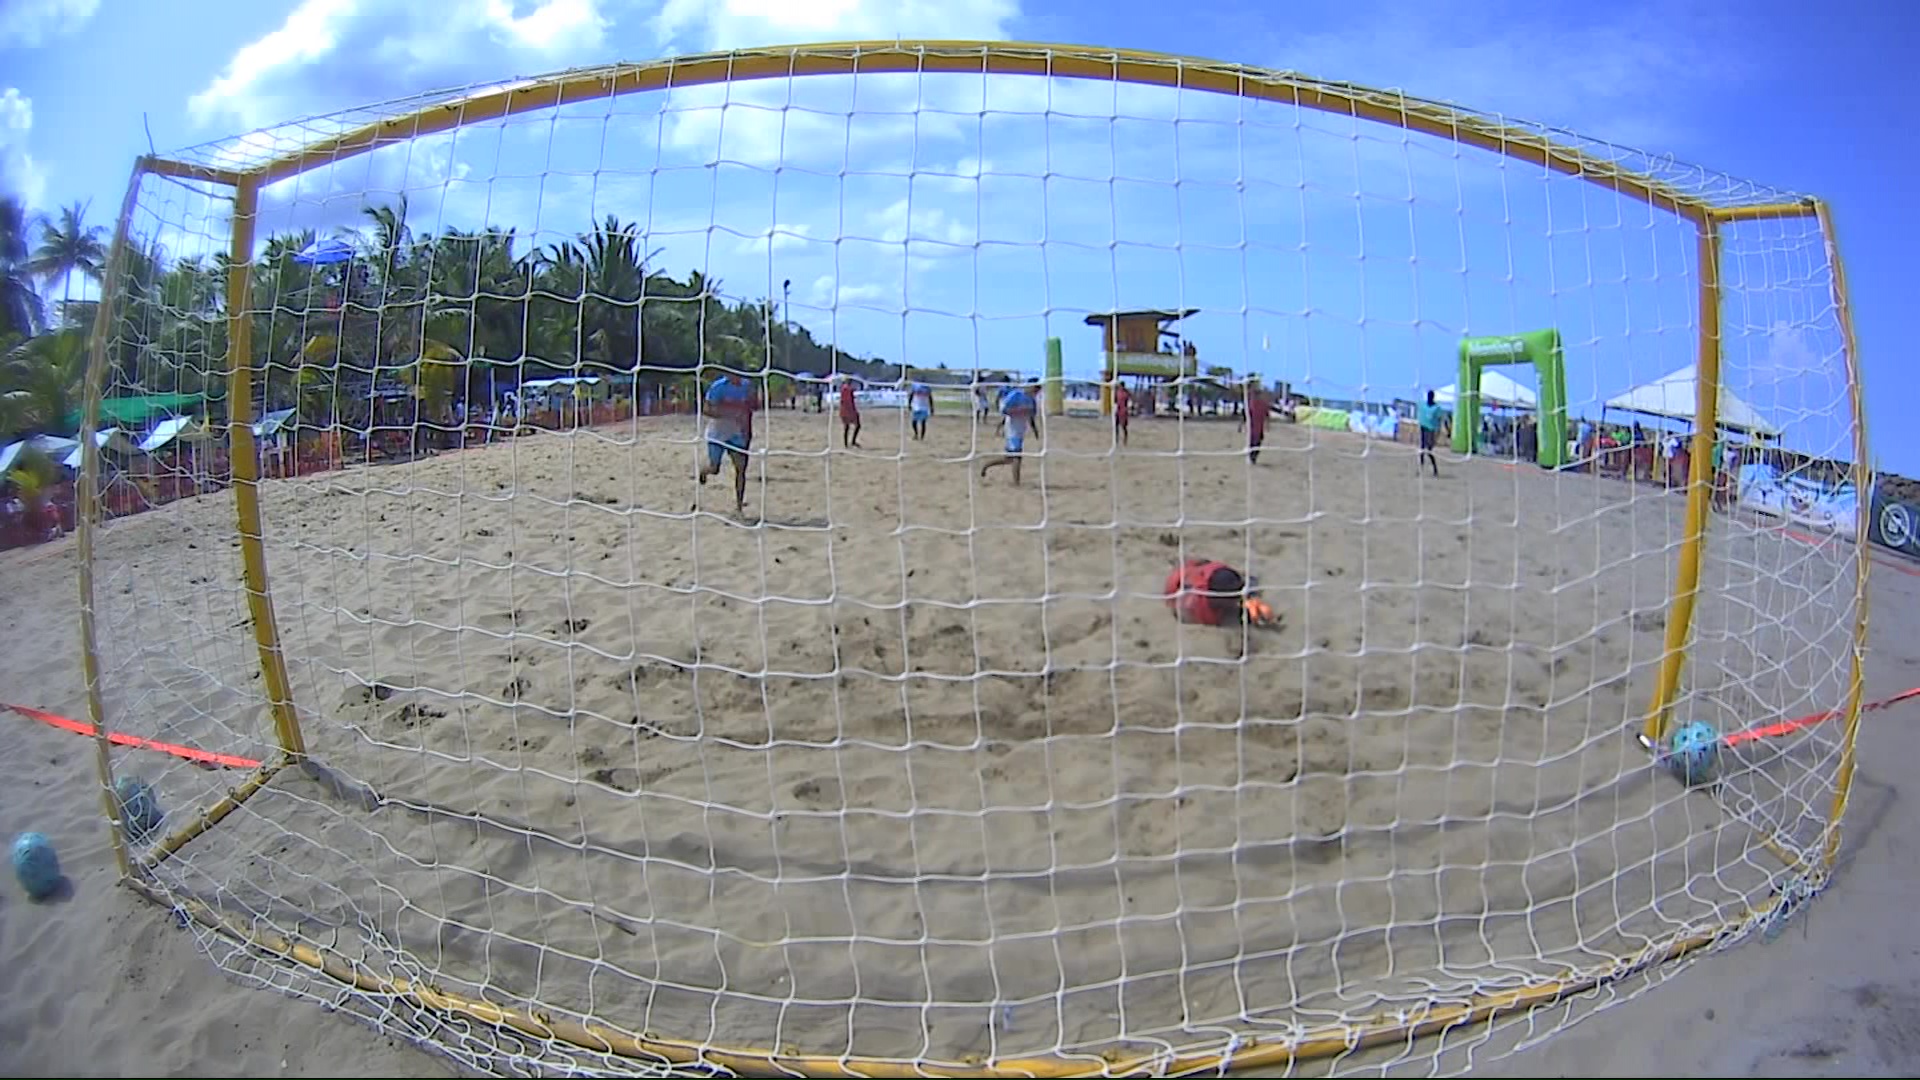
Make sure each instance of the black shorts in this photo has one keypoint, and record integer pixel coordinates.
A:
(1255, 439)
(1426, 438)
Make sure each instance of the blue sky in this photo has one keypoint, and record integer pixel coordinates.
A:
(963, 220)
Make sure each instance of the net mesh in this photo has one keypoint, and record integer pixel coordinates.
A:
(905, 762)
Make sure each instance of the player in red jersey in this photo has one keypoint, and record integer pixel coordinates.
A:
(849, 416)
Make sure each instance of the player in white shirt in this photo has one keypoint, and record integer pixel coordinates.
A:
(920, 406)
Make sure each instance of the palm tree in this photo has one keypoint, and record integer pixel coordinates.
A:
(69, 246)
(391, 239)
(20, 311)
(616, 265)
(433, 312)
(477, 279)
(44, 377)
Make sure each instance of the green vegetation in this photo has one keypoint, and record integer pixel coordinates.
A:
(439, 313)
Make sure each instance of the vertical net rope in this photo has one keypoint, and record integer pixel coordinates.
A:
(903, 768)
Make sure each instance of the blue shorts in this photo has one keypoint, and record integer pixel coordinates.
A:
(920, 415)
(718, 448)
(1014, 443)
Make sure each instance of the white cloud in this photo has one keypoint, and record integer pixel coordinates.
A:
(829, 292)
(548, 26)
(310, 33)
(326, 50)
(926, 230)
(19, 174)
(29, 24)
(694, 25)
(781, 237)
(1789, 353)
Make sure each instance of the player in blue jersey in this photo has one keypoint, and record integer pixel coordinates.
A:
(1020, 416)
(729, 406)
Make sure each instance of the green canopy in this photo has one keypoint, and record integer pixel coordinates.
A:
(136, 411)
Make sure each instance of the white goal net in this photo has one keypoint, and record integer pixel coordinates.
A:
(903, 767)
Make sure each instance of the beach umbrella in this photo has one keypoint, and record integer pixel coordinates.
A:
(327, 252)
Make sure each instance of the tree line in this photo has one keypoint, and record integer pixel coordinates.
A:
(442, 314)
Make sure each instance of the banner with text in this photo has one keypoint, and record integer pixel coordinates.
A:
(1833, 508)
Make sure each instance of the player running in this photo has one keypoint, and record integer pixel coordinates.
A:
(920, 404)
(1019, 415)
(729, 407)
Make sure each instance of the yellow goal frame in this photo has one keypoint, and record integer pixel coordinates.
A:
(1390, 109)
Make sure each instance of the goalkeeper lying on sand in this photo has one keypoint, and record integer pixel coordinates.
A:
(1211, 593)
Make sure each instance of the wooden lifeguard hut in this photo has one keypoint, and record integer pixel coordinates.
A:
(1143, 344)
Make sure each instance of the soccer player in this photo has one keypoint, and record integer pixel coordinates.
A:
(1020, 413)
(849, 416)
(920, 402)
(1207, 592)
(1432, 415)
(729, 406)
(1259, 405)
(1122, 411)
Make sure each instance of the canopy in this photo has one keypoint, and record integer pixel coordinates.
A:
(1672, 396)
(53, 446)
(110, 439)
(177, 427)
(564, 380)
(1496, 389)
(134, 412)
(324, 252)
(270, 425)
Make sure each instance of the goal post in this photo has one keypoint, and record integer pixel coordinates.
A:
(1863, 479)
(904, 756)
(245, 460)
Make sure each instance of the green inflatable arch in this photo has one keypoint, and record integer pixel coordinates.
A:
(1541, 349)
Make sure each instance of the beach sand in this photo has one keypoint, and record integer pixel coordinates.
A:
(712, 779)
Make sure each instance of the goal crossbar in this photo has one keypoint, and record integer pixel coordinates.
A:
(444, 113)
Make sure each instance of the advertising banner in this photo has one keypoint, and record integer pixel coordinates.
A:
(1807, 503)
(1895, 523)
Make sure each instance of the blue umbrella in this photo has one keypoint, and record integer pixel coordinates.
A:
(324, 253)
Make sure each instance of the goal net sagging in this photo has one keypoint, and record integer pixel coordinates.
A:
(905, 766)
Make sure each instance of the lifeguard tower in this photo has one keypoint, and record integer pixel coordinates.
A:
(1143, 344)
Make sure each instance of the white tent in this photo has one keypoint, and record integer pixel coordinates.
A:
(173, 427)
(561, 382)
(54, 446)
(1496, 390)
(110, 439)
(271, 424)
(1672, 396)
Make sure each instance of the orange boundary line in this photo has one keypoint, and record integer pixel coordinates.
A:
(1788, 727)
(81, 727)
(1881, 555)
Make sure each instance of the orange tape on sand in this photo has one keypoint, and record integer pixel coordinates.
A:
(81, 727)
(1788, 727)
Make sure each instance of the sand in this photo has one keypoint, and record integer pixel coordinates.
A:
(712, 779)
